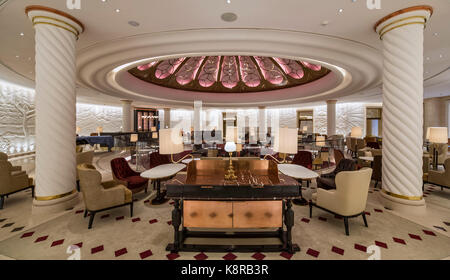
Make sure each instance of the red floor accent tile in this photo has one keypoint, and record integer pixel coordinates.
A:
(120, 252)
(153, 221)
(97, 249)
(172, 256)
(79, 245)
(313, 253)
(27, 234)
(258, 256)
(120, 218)
(136, 220)
(378, 210)
(305, 220)
(146, 254)
(104, 216)
(40, 239)
(361, 248)
(337, 217)
(381, 244)
(229, 257)
(200, 257)
(428, 232)
(147, 201)
(337, 250)
(169, 223)
(413, 236)
(57, 242)
(367, 213)
(323, 219)
(79, 211)
(286, 255)
(398, 240)
(172, 203)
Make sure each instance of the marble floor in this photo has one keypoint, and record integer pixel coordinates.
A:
(115, 235)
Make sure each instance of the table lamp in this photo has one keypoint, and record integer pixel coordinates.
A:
(170, 143)
(99, 130)
(231, 147)
(356, 133)
(437, 135)
(286, 142)
(305, 129)
(320, 141)
(78, 130)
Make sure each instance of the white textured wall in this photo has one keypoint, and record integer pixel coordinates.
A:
(17, 113)
(348, 115)
(90, 116)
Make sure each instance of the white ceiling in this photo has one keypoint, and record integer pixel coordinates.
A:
(104, 24)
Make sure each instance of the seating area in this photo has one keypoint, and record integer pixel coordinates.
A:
(167, 130)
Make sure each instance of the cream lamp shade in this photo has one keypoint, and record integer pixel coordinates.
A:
(78, 129)
(428, 133)
(438, 135)
(238, 147)
(170, 141)
(320, 141)
(133, 138)
(356, 132)
(286, 141)
(305, 128)
(232, 134)
(230, 147)
(99, 129)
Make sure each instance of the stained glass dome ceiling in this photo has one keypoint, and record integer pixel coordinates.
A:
(235, 74)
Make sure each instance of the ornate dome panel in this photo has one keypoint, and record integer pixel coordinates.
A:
(229, 74)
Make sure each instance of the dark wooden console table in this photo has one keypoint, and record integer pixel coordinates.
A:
(260, 198)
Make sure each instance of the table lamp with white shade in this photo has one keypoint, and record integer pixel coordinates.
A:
(437, 135)
(171, 142)
(286, 142)
(231, 147)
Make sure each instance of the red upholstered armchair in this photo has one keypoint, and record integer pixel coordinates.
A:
(123, 173)
(157, 159)
(303, 158)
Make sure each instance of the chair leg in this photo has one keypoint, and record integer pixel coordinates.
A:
(310, 210)
(32, 191)
(85, 213)
(346, 226)
(131, 209)
(2, 201)
(78, 185)
(365, 220)
(91, 219)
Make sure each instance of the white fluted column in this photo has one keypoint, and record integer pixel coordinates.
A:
(262, 124)
(56, 35)
(331, 117)
(126, 116)
(403, 38)
(166, 117)
(198, 122)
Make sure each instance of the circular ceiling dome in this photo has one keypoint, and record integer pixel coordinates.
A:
(229, 74)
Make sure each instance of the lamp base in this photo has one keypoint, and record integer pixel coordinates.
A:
(230, 175)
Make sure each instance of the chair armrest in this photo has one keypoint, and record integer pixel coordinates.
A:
(110, 184)
(328, 175)
(18, 173)
(20, 182)
(113, 196)
(16, 168)
(326, 199)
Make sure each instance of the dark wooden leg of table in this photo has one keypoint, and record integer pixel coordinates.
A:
(160, 196)
(301, 201)
(289, 222)
(176, 222)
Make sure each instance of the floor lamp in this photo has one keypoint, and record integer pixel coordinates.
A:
(286, 142)
(437, 135)
(170, 143)
(356, 133)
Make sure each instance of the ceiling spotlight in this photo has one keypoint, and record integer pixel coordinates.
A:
(228, 1)
(341, 10)
(441, 56)
(103, 1)
(325, 23)
(117, 10)
(17, 56)
(22, 34)
(435, 34)
(428, 58)
(229, 17)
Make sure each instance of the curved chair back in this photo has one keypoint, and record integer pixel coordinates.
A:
(352, 188)
(345, 165)
(120, 169)
(303, 158)
(5, 176)
(90, 183)
(377, 167)
(373, 145)
(338, 156)
(3, 156)
(84, 157)
(157, 159)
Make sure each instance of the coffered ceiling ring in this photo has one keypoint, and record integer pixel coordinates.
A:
(354, 66)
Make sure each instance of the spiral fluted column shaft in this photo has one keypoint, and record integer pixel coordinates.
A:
(402, 36)
(55, 38)
(262, 124)
(331, 117)
(126, 116)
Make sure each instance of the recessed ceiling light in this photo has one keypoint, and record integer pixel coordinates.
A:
(325, 22)
(428, 58)
(17, 56)
(228, 1)
(22, 34)
(117, 10)
(441, 56)
(229, 17)
(133, 23)
(341, 10)
(103, 1)
(435, 33)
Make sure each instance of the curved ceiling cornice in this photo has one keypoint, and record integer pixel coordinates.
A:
(354, 66)
(229, 74)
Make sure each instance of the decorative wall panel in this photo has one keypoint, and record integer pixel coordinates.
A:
(90, 116)
(348, 115)
(17, 115)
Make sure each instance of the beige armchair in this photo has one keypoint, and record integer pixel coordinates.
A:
(440, 178)
(4, 156)
(100, 196)
(12, 181)
(349, 199)
(83, 157)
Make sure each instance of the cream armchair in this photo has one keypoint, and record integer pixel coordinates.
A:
(4, 156)
(12, 181)
(83, 157)
(440, 178)
(100, 196)
(349, 199)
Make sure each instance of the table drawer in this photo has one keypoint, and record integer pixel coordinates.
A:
(207, 214)
(257, 214)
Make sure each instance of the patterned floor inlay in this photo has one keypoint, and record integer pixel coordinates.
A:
(146, 254)
(229, 257)
(7, 225)
(201, 257)
(41, 239)
(17, 229)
